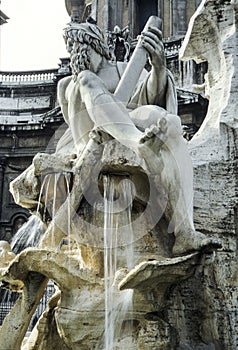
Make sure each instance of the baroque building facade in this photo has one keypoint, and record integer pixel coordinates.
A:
(108, 13)
(31, 121)
(28, 102)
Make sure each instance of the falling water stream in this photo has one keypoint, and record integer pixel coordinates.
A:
(186, 75)
(118, 243)
(118, 197)
(28, 235)
(54, 190)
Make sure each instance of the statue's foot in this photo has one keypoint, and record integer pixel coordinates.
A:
(186, 243)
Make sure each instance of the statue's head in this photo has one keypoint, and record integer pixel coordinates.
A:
(80, 39)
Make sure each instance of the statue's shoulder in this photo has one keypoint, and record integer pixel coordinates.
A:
(64, 82)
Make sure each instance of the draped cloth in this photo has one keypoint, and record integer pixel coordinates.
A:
(140, 96)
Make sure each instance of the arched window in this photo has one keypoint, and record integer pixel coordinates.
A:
(139, 12)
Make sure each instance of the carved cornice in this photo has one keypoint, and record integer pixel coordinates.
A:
(16, 167)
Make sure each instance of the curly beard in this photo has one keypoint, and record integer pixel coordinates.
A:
(80, 60)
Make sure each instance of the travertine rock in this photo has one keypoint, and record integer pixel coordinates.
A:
(206, 306)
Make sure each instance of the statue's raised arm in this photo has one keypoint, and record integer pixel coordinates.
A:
(90, 61)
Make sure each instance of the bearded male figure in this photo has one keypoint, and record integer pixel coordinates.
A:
(89, 54)
(148, 124)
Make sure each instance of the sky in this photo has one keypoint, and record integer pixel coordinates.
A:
(32, 39)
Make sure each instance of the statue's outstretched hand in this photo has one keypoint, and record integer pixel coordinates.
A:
(151, 40)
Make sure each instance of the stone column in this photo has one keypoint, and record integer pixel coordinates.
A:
(103, 14)
(190, 9)
(115, 11)
(166, 18)
(94, 12)
(2, 170)
(132, 17)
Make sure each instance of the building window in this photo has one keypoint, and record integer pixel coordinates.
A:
(146, 8)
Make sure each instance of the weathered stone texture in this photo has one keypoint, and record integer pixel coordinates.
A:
(199, 313)
(206, 305)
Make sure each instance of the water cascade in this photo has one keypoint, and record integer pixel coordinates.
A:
(28, 235)
(54, 189)
(118, 198)
(186, 75)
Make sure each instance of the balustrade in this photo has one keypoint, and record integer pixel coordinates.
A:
(27, 76)
(172, 47)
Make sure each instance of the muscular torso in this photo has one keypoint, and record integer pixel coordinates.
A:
(74, 111)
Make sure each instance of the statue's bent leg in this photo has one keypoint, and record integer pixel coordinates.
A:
(166, 154)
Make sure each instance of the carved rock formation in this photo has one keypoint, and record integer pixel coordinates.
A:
(185, 302)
